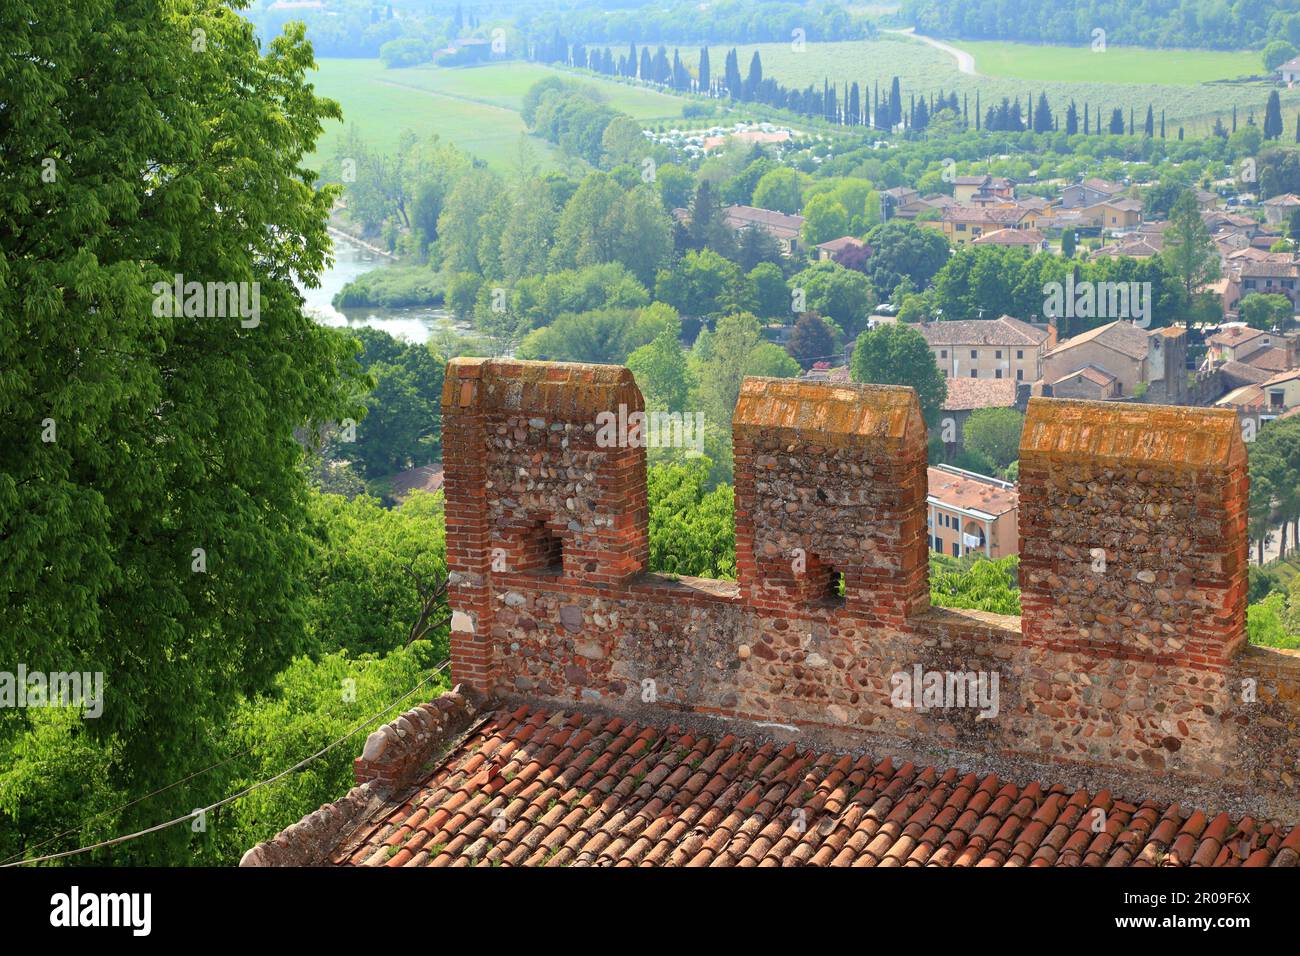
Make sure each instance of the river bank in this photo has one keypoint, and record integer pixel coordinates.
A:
(353, 258)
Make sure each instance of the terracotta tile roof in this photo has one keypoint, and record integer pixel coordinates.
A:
(1138, 248)
(1286, 199)
(1236, 374)
(1270, 360)
(1004, 330)
(533, 787)
(843, 242)
(967, 490)
(425, 478)
(1235, 335)
(966, 394)
(1248, 396)
(991, 214)
(1121, 336)
(1270, 269)
(899, 193)
(1284, 376)
(779, 224)
(1011, 237)
(1093, 374)
(1102, 186)
(1125, 205)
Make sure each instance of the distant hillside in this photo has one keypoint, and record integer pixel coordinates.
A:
(1208, 24)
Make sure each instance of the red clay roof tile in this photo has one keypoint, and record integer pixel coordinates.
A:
(536, 788)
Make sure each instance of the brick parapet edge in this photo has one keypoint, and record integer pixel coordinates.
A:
(391, 760)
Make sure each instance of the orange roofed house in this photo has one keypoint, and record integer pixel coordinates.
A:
(607, 715)
(971, 514)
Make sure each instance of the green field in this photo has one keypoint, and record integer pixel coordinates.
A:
(1054, 70)
(475, 108)
(1079, 64)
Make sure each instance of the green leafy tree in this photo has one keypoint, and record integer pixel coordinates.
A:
(994, 432)
(623, 142)
(770, 360)
(603, 336)
(842, 295)
(897, 354)
(975, 583)
(900, 248)
(692, 530)
(662, 372)
(720, 358)
(824, 219)
(303, 713)
(377, 582)
(1276, 53)
(465, 221)
(153, 499)
(1266, 312)
(1189, 252)
(700, 283)
(780, 189)
(676, 185)
(768, 291)
(811, 341)
(542, 299)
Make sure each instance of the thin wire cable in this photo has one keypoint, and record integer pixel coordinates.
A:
(198, 773)
(235, 796)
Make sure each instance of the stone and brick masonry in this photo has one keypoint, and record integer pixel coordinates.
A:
(1130, 655)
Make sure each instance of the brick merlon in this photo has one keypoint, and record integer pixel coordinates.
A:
(564, 390)
(839, 414)
(1134, 434)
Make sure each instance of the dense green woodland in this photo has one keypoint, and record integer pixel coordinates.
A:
(418, 28)
(1210, 24)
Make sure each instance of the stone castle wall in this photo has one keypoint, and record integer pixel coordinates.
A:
(1129, 656)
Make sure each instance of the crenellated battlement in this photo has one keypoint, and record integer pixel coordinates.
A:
(1129, 653)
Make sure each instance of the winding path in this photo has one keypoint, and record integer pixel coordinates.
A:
(965, 61)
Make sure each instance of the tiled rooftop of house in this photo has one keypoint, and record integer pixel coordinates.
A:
(1003, 330)
(958, 488)
(1269, 359)
(1121, 336)
(966, 394)
(533, 787)
(1011, 237)
(1098, 376)
(779, 224)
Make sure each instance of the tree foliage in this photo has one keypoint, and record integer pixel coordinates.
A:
(896, 354)
(158, 533)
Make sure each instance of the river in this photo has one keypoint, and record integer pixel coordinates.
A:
(412, 323)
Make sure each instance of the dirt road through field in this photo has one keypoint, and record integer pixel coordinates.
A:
(965, 62)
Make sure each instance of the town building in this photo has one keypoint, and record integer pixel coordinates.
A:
(787, 230)
(1278, 209)
(971, 513)
(1120, 350)
(1001, 348)
(1089, 193)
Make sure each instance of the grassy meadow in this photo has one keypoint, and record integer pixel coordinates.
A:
(1132, 65)
(1177, 81)
(474, 108)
